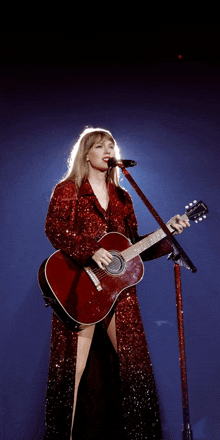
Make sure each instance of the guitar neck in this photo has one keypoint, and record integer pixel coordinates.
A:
(147, 242)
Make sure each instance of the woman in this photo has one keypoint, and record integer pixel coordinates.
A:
(116, 397)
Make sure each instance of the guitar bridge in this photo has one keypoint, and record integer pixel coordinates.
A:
(93, 278)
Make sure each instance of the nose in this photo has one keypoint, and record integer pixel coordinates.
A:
(107, 150)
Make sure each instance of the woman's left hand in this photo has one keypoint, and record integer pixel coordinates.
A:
(177, 224)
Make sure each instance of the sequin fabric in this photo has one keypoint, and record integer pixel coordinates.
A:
(75, 223)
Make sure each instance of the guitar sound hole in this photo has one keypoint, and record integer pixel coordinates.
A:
(117, 265)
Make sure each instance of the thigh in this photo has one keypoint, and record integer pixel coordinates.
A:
(83, 346)
(111, 330)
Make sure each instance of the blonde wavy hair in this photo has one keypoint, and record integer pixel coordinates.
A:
(78, 167)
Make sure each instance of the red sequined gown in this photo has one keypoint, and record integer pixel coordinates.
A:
(117, 398)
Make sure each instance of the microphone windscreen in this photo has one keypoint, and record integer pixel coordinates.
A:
(112, 162)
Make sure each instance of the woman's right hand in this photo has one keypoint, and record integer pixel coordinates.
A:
(102, 258)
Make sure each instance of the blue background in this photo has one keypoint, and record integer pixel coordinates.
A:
(164, 112)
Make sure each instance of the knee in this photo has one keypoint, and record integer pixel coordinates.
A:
(80, 367)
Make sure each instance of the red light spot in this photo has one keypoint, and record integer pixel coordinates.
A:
(180, 57)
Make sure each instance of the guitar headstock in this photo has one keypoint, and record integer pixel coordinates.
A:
(196, 211)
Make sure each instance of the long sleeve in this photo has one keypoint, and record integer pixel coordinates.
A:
(163, 247)
(61, 225)
(158, 250)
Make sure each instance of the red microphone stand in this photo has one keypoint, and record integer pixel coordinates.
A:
(180, 259)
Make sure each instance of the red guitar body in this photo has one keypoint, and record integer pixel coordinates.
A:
(86, 295)
(75, 295)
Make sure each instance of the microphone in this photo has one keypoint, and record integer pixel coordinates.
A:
(122, 163)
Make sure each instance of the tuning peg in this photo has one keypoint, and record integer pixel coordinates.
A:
(204, 216)
(200, 219)
(190, 204)
(194, 201)
(196, 221)
(187, 207)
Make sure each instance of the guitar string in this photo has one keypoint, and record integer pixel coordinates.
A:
(101, 273)
(114, 265)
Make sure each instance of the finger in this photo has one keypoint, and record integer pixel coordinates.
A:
(177, 227)
(108, 255)
(105, 261)
(101, 258)
(100, 265)
(180, 225)
(99, 261)
(104, 253)
(184, 224)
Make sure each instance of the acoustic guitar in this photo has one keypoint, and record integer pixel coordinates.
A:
(85, 295)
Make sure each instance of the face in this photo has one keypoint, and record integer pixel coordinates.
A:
(100, 153)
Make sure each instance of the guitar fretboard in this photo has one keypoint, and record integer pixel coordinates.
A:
(147, 242)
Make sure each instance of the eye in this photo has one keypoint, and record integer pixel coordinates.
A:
(99, 146)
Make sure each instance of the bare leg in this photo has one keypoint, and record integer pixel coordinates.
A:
(111, 330)
(83, 346)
